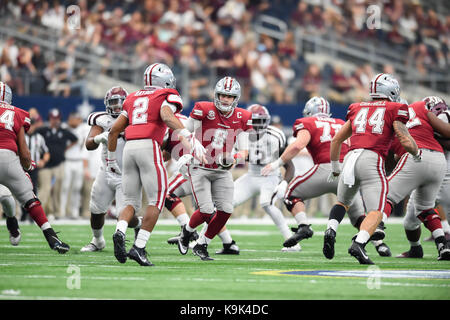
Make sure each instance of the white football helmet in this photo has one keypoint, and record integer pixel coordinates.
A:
(316, 105)
(5, 93)
(159, 75)
(114, 99)
(435, 104)
(384, 86)
(227, 86)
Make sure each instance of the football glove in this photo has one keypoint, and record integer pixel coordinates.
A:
(101, 138)
(111, 163)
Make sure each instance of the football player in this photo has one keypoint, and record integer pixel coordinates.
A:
(15, 160)
(371, 127)
(424, 177)
(9, 209)
(266, 143)
(315, 131)
(145, 117)
(219, 124)
(104, 192)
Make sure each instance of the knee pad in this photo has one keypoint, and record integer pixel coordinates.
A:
(31, 203)
(171, 201)
(290, 202)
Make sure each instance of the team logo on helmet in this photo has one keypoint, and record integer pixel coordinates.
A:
(435, 104)
(114, 99)
(260, 116)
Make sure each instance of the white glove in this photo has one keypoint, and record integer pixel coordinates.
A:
(272, 167)
(111, 163)
(197, 149)
(183, 163)
(113, 180)
(418, 156)
(279, 191)
(102, 137)
(332, 177)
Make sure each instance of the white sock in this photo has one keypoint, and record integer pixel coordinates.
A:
(362, 237)
(122, 226)
(98, 234)
(225, 236)
(301, 218)
(205, 227)
(278, 219)
(414, 243)
(438, 233)
(142, 238)
(445, 226)
(46, 226)
(183, 219)
(138, 226)
(385, 217)
(333, 224)
(188, 228)
(202, 240)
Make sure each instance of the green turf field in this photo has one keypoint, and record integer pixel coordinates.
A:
(33, 271)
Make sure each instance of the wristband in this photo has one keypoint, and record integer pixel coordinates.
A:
(184, 133)
(111, 155)
(279, 162)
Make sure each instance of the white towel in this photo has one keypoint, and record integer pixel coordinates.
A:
(348, 172)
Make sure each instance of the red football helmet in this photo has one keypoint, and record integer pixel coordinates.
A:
(114, 99)
(260, 116)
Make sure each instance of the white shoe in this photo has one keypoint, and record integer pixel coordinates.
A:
(15, 240)
(91, 247)
(295, 248)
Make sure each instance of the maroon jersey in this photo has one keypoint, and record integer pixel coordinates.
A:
(172, 142)
(322, 130)
(420, 129)
(219, 133)
(11, 120)
(372, 124)
(143, 111)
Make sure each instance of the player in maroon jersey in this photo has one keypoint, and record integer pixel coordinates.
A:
(15, 159)
(315, 131)
(424, 178)
(371, 127)
(146, 115)
(219, 125)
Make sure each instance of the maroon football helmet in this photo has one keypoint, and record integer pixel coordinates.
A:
(435, 104)
(114, 99)
(260, 116)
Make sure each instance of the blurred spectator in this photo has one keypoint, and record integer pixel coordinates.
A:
(340, 86)
(310, 83)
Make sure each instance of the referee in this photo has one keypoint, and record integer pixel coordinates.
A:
(39, 153)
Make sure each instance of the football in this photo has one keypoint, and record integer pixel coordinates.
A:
(225, 161)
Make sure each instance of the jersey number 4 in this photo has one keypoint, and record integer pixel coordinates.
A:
(7, 118)
(376, 120)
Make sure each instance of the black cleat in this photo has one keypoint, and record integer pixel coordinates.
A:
(414, 252)
(140, 256)
(174, 240)
(120, 251)
(379, 233)
(357, 250)
(14, 231)
(383, 250)
(303, 231)
(329, 240)
(184, 239)
(54, 242)
(201, 251)
(444, 251)
(229, 248)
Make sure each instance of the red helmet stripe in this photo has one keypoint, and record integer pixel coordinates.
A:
(374, 85)
(150, 74)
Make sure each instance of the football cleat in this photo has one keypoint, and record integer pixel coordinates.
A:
(357, 250)
(174, 240)
(14, 232)
(92, 247)
(444, 251)
(329, 240)
(295, 248)
(383, 250)
(119, 246)
(303, 231)
(54, 242)
(229, 248)
(414, 252)
(140, 256)
(183, 241)
(379, 233)
(201, 251)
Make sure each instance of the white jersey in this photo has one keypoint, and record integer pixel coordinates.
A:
(105, 121)
(265, 147)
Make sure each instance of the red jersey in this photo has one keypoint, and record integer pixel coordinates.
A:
(219, 132)
(172, 141)
(372, 124)
(322, 130)
(11, 120)
(420, 129)
(142, 109)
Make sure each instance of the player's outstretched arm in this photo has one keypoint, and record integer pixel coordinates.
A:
(343, 134)
(91, 143)
(24, 152)
(119, 125)
(438, 125)
(405, 139)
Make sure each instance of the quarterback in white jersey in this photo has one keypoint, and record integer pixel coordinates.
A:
(266, 143)
(105, 191)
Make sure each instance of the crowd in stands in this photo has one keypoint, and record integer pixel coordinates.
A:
(211, 38)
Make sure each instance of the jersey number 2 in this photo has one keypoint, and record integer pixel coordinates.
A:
(140, 108)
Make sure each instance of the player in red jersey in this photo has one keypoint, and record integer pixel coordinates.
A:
(15, 159)
(314, 131)
(219, 125)
(370, 127)
(146, 115)
(424, 178)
